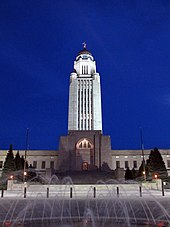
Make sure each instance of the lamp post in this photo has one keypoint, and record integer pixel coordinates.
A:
(25, 156)
(143, 157)
(25, 173)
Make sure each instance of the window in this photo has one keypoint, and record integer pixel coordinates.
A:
(52, 164)
(85, 124)
(126, 164)
(168, 163)
(43, 165)
(35, 164)
(134, 164)
(1, 164)
(85, 69)
(117, 164)
(84, 144)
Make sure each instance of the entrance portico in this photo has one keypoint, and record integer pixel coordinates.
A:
(84, 154)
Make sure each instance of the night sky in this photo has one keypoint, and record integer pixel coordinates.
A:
(130, 41)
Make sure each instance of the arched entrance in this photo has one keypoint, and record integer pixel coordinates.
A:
(84, 154)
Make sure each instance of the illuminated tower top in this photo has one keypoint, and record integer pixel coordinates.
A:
(84, 94)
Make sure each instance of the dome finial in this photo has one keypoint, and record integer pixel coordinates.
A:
(84, 45)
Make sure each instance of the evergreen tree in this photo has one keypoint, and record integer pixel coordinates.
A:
(9, 164)
(146, 169)
(128, 174)
(140, 174)
(18, 161)
(134, 173)
(23, 162)
(156, 165)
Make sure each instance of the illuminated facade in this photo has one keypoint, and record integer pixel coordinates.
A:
(84, 94)
(85, 147)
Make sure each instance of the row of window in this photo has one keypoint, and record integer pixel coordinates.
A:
(84, 69)
(85, 98)
(43, 164)
(84, 145)
(84, 57)
(126, 164)
(85, 105)
(135, 166)
(86, 124)
(84, 82)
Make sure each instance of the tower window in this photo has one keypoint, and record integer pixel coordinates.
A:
(91, 123)
(85, 124)
(86, 69)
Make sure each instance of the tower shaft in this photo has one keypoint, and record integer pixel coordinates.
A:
(84, 95)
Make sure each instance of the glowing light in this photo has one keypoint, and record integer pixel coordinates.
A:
(25, 173)
(143, 172)
(11, 177)
(155, 176)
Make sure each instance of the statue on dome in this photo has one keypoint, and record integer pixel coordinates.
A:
(84, 45)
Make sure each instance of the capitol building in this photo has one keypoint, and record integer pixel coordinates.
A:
(85, 147)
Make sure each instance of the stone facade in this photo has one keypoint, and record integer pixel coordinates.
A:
(39, 159)
(132, 158)
(84, 150)
(84, 94)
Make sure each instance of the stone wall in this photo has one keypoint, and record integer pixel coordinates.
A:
(86, 189)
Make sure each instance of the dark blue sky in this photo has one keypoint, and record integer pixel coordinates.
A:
(39, 41)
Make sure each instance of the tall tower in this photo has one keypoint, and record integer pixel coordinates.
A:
(84, 94)
(85, 147)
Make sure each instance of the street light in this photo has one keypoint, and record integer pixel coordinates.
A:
(143, 157)
(155, 176)
(11, 177)
(26, 149)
